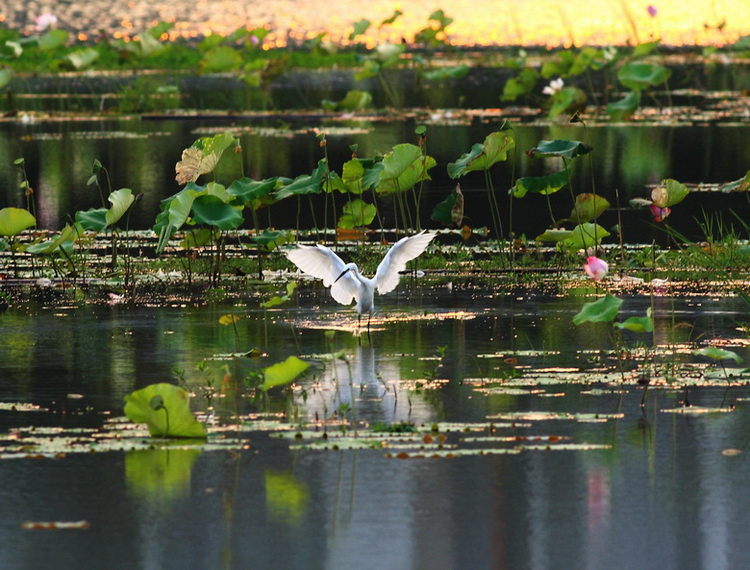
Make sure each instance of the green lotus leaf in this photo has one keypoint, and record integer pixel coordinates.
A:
(121, 201)
(637, 324)
(272, 239)
(197, 237)
(482, 156)
(567, 100)
(540, 184)
(14, 220)
(354, 100)
(588, 207)
(65, 240)
(165, 409)
(283, 373)
(352, 176)
(602, 310)
(554, 235)
(443, 73)
(359, 28)
(304, 184)
(251, 192)
(175, 211)
(560, 148)
(220, 59)
(639, 75)
(403, 168)
(213, 211)
(82, 58)
(741, 185)
(53, 39)
(356, 214)
(93, 219)
(669, 193)
(521, 85)
(623, 109)
(716, 353)
(584, 236)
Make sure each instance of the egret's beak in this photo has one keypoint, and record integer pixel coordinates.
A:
(342, 274)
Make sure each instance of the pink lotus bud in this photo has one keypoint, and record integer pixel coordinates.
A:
(652, 11)
(45, 21)
(659, 214)
(595, 268)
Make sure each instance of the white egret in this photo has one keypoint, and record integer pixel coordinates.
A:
(345, 280)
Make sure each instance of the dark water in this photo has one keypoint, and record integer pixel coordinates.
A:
(141, 155)
(663, 495)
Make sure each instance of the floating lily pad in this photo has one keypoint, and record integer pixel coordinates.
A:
(696, 410)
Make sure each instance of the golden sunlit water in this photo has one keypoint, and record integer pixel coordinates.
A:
(475, 22)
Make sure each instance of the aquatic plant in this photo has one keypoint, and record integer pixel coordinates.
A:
(165, 409)
(586, 235)
(719, 355)
(231, 319)
(605, 310)
(12, 222)
(595, 268)
(482, 157)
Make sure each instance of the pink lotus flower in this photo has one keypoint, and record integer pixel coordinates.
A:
(45, 21)
(659, 214)
(652, 11)
(595, 268)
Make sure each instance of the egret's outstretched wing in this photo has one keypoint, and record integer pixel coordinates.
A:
(403, 251)
(320, 262)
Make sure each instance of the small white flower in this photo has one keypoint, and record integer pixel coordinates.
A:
(554, 86)
(45, 21)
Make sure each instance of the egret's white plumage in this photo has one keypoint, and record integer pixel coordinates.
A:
(345, 280)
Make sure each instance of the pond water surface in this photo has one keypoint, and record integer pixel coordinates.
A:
(576, 474)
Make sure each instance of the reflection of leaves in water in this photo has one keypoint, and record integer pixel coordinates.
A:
(286, 498)
(159, 474)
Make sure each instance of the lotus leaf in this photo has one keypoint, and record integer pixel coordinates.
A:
(403, 168)
(540, 184)
(212, 211)
(584, 236)
(561, 148)
(283, 373)
(14, 220)
(588, 207)
(602, 310)
(623, 109)
(482, 156)
(165, 409)
(637, 324)
(356, 213)
(669, 193)
(717, 353)
(639, 75)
